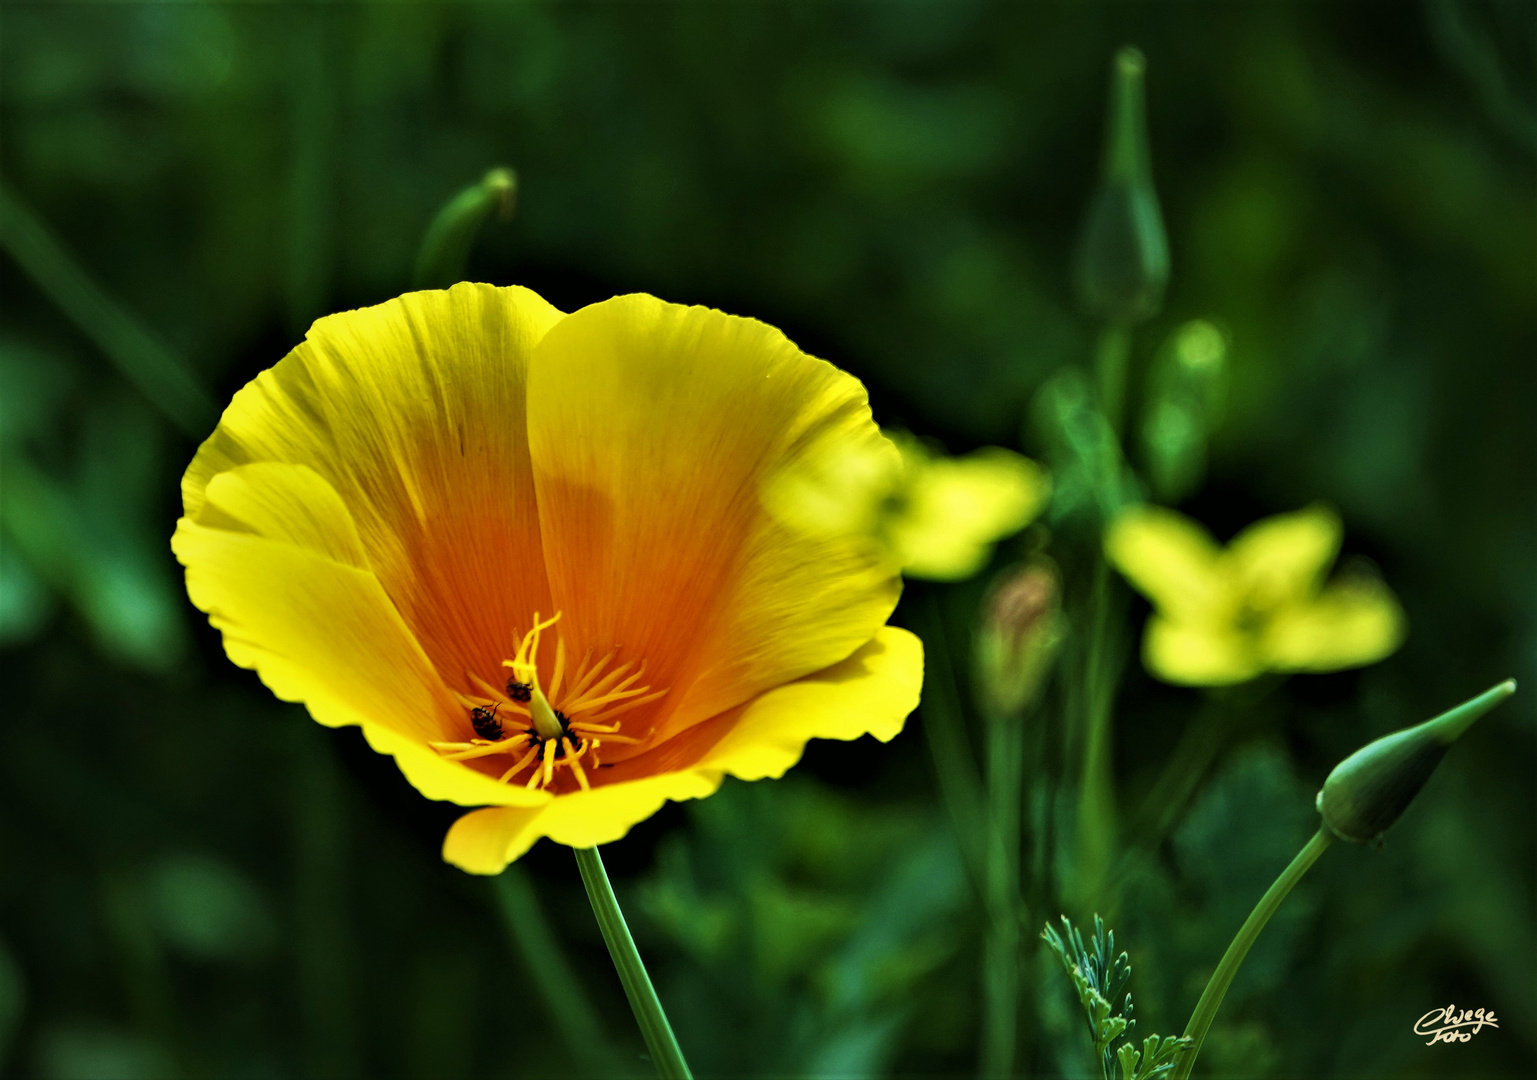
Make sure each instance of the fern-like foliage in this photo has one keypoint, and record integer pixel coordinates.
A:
(1099, 977)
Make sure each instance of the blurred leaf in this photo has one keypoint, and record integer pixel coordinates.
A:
(24, 601)
(34, 384)
(1183, 408)
(79, 1052)
(1090, 481)
(1242, 830)
(13, 999)
(806, 904)
(208, 910)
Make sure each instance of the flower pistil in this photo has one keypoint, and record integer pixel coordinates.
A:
(544, 737)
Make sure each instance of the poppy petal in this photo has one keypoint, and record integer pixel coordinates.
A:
(654, 429)
(261, 560)
(413, 411)
(275, 560)
(872, 692)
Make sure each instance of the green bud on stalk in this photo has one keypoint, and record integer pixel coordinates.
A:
(1122, 263)
(1368, 791)
(446, 247)
(1021, 629)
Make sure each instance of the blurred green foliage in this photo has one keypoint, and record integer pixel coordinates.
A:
(196, 880)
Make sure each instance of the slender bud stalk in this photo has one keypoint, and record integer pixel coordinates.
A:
(1362, 796)
(1222, 978)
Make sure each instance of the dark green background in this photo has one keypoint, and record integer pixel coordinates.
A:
(195, 879)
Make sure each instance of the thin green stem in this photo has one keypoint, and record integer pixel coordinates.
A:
(1000, 976)
(566, 1001)
(1202, 741)
(1216, 986)
(654, 1028)
(940, 709)
(1095, 826)
(168, 383)
(1112, 359)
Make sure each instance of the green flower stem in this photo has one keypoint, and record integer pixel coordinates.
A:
(1095, 826)
(654, 1028)
(1112, 358)
(1216, 986)
(1000, 975)
(1202, 741)
(164, 380)
(940, 710)
(566, 1001)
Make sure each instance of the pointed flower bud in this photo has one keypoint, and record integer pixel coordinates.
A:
(1368, 791)
(446, 247)
(1021, 629)
(1122, 263)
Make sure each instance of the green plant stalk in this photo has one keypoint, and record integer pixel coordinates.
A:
(1199, 745)
(1112, 358)
(1000, 975)
(1222, 978)
(563, 995)
(940, 709)
(327, 949)
(654, 1028)
(1095, 824)
(164, 380)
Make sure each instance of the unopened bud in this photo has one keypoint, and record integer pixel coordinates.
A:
(1122, 264)
(1021, 629)
(446, 247)
(1368, 791)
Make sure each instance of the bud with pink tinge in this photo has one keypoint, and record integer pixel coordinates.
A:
(1021, 629)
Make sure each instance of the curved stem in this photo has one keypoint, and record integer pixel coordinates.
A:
(1096, 818)
(1216, 987)
(959, 786)
(1001, 960)
(1112, 358)
(163, 378)
(654, 1028)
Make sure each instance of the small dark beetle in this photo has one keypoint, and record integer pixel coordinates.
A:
(521, 692)
(485, 723)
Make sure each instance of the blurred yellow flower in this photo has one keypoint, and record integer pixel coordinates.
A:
(932, 516)
(1225, 616)
(527, 553)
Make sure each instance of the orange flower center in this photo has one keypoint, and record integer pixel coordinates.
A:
(543, 737)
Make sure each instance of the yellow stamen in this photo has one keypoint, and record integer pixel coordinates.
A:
(572, 759)
(522, 761)
(591, 694)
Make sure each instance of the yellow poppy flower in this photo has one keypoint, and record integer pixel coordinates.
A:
(526, 552)
(933, 516)
(1225, 616)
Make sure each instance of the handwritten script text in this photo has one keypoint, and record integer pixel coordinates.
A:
(1448, 1024)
